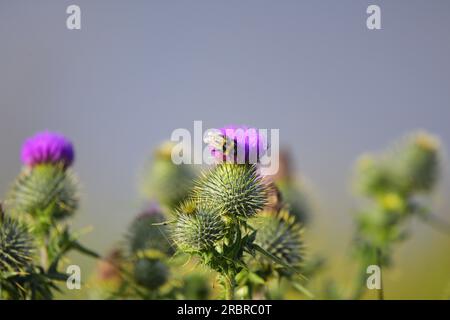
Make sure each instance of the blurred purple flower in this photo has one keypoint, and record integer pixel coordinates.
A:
(47, 147)
(151, 210)
(237, 144)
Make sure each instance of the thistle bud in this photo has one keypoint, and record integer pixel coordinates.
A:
(374, 176)
(143, 234)
(150, 273)
(16, 246)
(198, 229)
(418, 161)
(280, 235)
(236, 190)
(165, 181)
(45, 189)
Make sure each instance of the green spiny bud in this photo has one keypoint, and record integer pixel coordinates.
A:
(418, 161)
(165, 181)
(143, 234)
(375, 176)
(16, 245)
(150, 273)
(279, 234)
(197, 229)
(236, 190)
(45, 189)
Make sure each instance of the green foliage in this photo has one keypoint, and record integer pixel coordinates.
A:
(236, 190)
(196, 287)
(45, 189)
(393, 181)
(43, 196)
(143, 272)
(21, 277)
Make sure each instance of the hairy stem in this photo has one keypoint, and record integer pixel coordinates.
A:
(44, 252)
(229, 284)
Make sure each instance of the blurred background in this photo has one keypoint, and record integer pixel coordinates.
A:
(137, 70)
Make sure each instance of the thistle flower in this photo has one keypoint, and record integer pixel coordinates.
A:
(47, 147)
(16, 246)
(143, 234)
(236, 190)
(280, 235)
(150, 273)
(45, 189)
(197, 229)
(237, 144)
(165, 181)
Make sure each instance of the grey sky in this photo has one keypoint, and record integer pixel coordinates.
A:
(139, 69)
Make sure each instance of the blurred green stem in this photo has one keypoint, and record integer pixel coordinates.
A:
(44, 255)
(229, 284)
(379, 263)
(360, 285)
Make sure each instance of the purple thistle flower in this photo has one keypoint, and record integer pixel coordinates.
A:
(151, 210)
(237, 144)
(47, 147)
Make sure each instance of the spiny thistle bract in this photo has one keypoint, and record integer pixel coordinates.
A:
(374, 176)
(16, 246)
(150, 273)
(143, 234)
(44, 187)
(279, 234)
(197, 228)
(236, 190)
(417, 161)
(165, 181)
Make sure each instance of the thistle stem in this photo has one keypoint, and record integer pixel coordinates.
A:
(44, 252)
(360, 285)
(381, 290)
(44, 258)
(229, 284)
